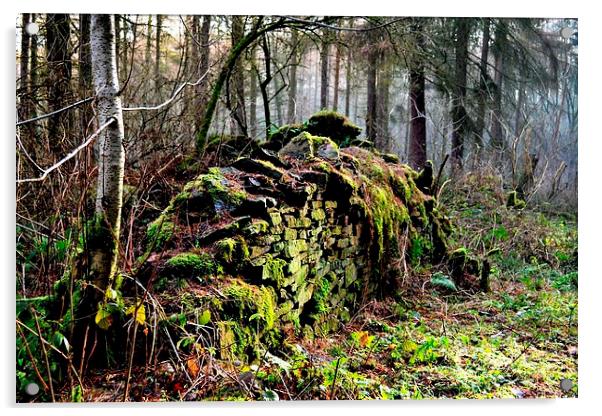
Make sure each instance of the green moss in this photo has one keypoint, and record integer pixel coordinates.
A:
(334, 125)
(513, 201)
(214, 189)
(254, 303)
(226, 248)
(191, 265)
(159, 232)
(273, 271)
(377, 172)
(307, 146)
(321, 293)
(257, 227)
(388, 216)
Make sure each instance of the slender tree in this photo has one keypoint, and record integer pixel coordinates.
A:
(371, 115)
(324, 58)
(417, 131)
(58, 56)
(484, 83)
(292, 79)
(253, 94)
(348, 81)
(237, 90)
(499, 44)
(459, 116)
(201, 61)
(157, 72)
(104, 242)
(24, 58)
(85, 70)
(337, 74)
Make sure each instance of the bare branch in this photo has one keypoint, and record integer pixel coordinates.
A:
(60, 110)
(173, 97)
(70, 155)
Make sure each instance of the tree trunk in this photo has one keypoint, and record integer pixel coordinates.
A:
(417, 131)
(149, 43)
(518, 115)
(157, 74)
(263, 86)
(292, 80)
(59, 79)
(371, 93)
(85, 71)
(237, 93)
(382, 108)
(459, 120)
(104, 243)
(337, 74)
(24, 85)
(348, 82)
(33, 85)
(483, 83)
(324, 71)
(203, 54)
(497, 134)
(253, 95)
(24, 58)
(117, 44)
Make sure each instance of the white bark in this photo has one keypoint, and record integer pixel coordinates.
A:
(111, 156)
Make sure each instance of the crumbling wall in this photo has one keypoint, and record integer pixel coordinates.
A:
(290, 242)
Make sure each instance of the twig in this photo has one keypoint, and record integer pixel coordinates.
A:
(31, 120)
(334, 380)
(33, 361)
(173, 97)
(45, 352)
(72, 154)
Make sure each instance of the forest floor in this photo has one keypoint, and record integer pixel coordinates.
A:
(430, 341)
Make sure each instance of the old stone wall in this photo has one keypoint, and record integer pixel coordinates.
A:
(290, 242)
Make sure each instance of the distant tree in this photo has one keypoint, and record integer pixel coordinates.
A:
(292, 78)
(237, 89)
(500, 43)
(484, 82)
(324, 74)
(58, 56)
(459, 115)
(417, 140)
(371, 112)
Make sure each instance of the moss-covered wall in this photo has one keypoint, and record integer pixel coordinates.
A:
(293, 241)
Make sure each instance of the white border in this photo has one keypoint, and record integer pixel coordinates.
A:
(590, 158)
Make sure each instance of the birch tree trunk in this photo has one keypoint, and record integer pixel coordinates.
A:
(104, 242)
